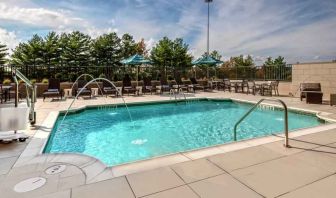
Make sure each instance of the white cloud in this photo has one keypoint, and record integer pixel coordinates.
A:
(8, 38)
(39, 17)
(256, 27)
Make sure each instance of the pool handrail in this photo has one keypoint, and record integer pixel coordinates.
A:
(255, 106)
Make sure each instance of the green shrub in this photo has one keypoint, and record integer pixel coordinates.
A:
(33, 81)
(45, 81)
(7, 81)
(58, 75)
(102, 75)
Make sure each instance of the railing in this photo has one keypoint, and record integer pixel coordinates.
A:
(175, 91)
(255, 106)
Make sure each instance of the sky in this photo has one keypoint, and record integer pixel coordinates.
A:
(299, 30)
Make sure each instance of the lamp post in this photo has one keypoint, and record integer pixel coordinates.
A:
(208, 35)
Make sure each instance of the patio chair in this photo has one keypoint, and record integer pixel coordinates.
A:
(2, 94)
(251, 87)
(275, 87)
(165, 87)
(266, 89)
(312, 92)
(148, 87)
(108, 89)
(226, 85)
(180, 84)
(127, 86)
(54, 89)
(83, 91)
(197, 86)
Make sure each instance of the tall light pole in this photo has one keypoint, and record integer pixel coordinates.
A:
(208, 35)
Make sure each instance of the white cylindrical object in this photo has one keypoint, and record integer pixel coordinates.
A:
(12, 118)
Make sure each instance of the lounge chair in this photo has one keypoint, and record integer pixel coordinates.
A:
(108, 89)
(127, 86)
(312, 92)
(165, 87)
(180, 85)
(54, 89)
(83, 91)
(148, 87)
(197, 86)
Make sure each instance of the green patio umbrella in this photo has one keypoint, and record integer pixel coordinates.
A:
(136, 60)
(207, 60)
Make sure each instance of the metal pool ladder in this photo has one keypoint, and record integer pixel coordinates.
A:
(255, 106)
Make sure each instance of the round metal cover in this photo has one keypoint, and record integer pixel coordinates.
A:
(55, 169)
(30, 184)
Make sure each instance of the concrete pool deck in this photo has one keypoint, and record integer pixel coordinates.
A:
(256, 168)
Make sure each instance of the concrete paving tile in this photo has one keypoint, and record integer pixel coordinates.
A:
(329, 149)
(279, 176)
(179, 192)
(323, 188)
(321, 138)
(148, 164)
(60, 194)
(196, 170)
(7, 188)
(149, 182)
(317, 159)
(296, 147)
(105, 175)
(234, 146)
(70, 182)
(222, 186)
(114, 188)
(244, 158)
(197, 154)
(6, 164)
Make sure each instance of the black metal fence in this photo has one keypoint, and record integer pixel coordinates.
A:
(280, 72)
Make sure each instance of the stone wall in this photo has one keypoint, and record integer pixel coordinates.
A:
(324, 73)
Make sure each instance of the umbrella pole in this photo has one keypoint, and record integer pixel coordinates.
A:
(208, 73)
(137, 76)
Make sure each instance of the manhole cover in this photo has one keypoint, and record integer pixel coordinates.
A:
(30, 184)
(55, 169)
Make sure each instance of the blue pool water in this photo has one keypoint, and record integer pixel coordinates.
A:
(160, 129)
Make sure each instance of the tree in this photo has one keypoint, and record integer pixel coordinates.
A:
(128, 46)
(3, 54)
(241, 61)
(171, 55)
(77, 49)
(275, 69)
(51, 50)
(141, 48)
(106, 51)
(280, 61)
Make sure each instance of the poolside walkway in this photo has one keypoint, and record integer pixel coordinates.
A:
(308, 169)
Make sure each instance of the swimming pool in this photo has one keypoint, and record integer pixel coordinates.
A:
(165, 128)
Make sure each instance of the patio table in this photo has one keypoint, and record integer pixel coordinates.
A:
(236, 84)
(260, 85)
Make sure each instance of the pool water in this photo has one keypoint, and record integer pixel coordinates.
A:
(161, 129)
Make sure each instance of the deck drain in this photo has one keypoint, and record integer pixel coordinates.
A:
(55, 169)
(29, 184)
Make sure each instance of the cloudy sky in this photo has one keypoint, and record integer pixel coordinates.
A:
(300, 30)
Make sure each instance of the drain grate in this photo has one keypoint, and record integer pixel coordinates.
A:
(30, 184)
(55, 169)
